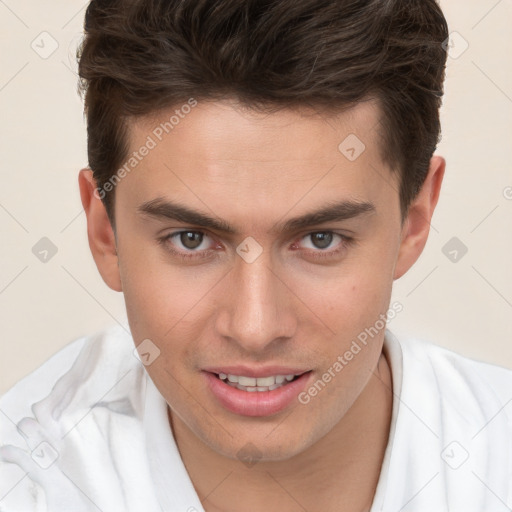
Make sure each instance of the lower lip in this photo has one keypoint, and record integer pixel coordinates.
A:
(257, 403)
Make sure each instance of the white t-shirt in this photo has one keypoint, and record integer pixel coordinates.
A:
(88, 431)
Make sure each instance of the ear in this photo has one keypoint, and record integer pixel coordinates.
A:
(99, 231)
(417, 223)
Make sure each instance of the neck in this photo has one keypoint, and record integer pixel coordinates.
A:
(343, 466)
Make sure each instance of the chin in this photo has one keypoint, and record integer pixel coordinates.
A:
(268, 446)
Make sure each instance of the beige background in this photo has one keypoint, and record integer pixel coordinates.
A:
(464, 305)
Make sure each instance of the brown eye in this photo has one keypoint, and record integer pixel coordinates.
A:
(325, 245)
(190, 246)
(321, 240)
(191, 239)
(191, 242)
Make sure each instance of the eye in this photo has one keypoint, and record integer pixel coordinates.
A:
(188, 244)
(320, 240)
(189, 239)
(317, 243)
(192, 244)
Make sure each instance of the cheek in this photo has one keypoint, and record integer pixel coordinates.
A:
(355, 313)
(157, 293)
(354, 301)
(169, 305)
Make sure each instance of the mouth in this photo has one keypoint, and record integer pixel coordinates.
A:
(257, 384)
(256, 396)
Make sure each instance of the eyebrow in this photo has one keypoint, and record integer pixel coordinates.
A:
(161, 208)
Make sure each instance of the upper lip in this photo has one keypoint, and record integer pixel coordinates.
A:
(247, 371)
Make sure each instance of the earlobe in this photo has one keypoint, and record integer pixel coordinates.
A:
(99, 231)
(416, 227)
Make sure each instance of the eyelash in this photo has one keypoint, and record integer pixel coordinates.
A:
(346, 242)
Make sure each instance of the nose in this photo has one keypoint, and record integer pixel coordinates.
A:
(257, 307)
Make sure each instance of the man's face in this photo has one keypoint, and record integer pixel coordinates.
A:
(268, 292)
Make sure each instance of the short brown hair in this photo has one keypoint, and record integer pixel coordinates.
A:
(140, 56)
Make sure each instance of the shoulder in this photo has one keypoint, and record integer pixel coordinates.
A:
(60, 412)
(458, 397)
(456, 372)
(80, 361)
(452, 429)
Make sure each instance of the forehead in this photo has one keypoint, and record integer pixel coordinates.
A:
(223, 130)
(266, 162)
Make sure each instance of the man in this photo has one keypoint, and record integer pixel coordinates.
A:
(260, 174)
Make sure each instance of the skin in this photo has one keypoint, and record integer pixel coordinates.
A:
(253, 171)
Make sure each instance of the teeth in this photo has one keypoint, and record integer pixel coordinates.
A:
(264, 381)
(246, 381)
(255, 382)
(252, 384)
